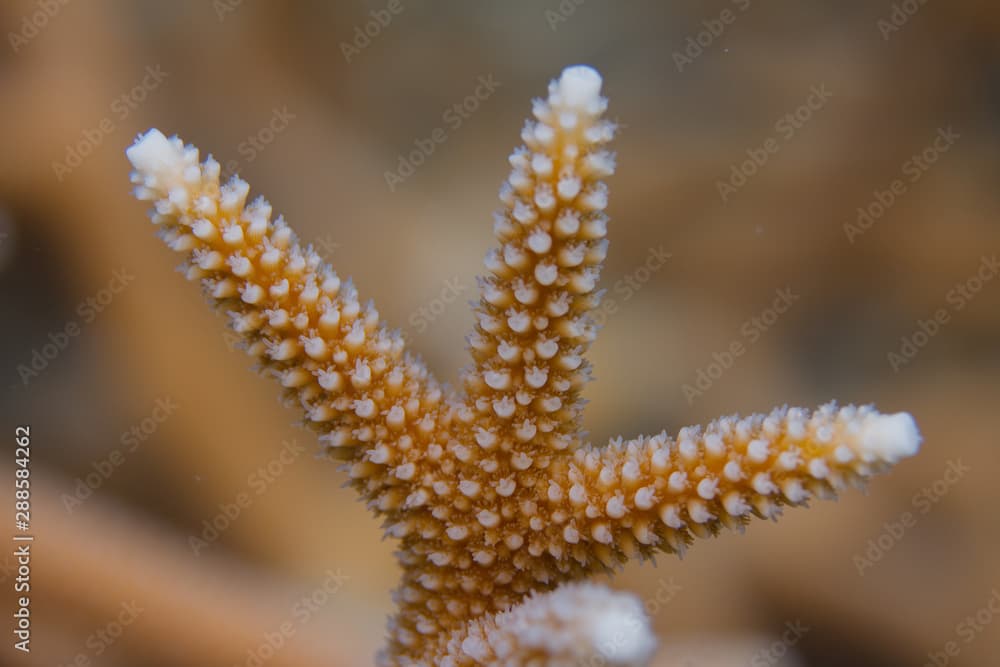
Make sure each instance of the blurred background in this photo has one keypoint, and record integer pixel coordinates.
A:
(845, 153)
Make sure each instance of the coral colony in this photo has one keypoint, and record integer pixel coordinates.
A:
(501, 510)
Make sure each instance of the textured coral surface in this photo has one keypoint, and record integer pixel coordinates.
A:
(494, 494)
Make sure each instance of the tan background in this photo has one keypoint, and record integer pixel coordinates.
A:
(681, 132)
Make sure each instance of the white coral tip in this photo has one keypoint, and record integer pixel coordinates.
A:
(153, 153)
(579, 86)
(621, 633)
(890, 437)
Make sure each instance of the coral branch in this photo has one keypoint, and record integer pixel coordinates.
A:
(533, 322)
(656, 494)
(306, 328)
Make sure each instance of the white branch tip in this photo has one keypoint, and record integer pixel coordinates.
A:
(891, 437)
(153, 153)
(579, 86)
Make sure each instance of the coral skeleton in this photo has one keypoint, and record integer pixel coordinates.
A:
(501, 508)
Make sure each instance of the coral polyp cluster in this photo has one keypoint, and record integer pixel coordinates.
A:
(496, 499)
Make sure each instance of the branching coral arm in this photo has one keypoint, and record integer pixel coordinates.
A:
(370, 402)
(655, 494)
(533, 324)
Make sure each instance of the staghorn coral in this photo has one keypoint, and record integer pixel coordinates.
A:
(493, 494)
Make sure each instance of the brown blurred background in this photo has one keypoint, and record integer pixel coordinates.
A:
(272, 88)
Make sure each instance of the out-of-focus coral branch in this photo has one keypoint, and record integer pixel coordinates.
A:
(102, 556)
(576, 624)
